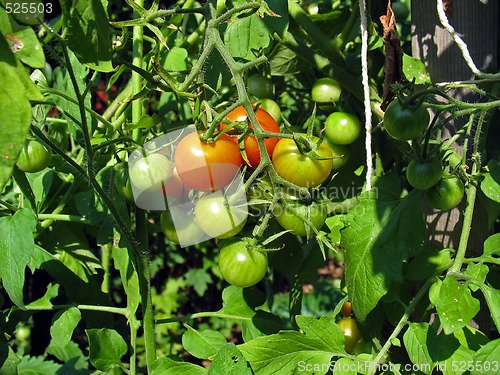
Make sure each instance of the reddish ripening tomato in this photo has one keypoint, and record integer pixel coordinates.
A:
(174, 187)
(207, 166)
(266, 121)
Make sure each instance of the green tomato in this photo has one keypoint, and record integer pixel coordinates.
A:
(241, 263)
(23, 332)
(298, 168)
(446, 194)
(401, 11)
(326, 90)
(315, 212)
(148, 172)
(424, 174)
(218, 218)
(271, 107)
(260, 86)
(351, 333)
(122, 182)
(180, 227)
(405, 123)
(341, 153)
(34, 157)
(342, 128)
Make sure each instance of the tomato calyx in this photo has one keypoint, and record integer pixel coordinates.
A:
(308, 148)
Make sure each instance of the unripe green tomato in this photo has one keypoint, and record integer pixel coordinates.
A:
(341, 153)
(184, 231)
(23, 332)
(122, 182)
(351, 333)
(260, 86)
(446, 194)
(326, 90)
(401, 11)
(241, 263)
(271, 107)
(342, 128)
(313, 8)
(424, 174)
(315, 212)
(34, 157)
(147, 173)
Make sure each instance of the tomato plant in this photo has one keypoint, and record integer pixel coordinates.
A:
(299, 168)
(326, 90)
(424, 174)
(207, 166)
(34, 157)
(352, 334)
(271, 107)
(260, 86)
(218, 218)
(181, 227)
(266, 121)
(342, 128)
(405, 123)
(446, 194)
(241, 262)
(346, 309)
(286, 217)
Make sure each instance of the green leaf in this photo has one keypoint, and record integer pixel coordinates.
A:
(284, 352)
(16, 89)
(414, 68)
(490, 185)
(455, 305)
(202, 344)
(51, 293)
(492, 297)
(428, 263)
(486, 357)
(106, 348)
(277, 24)
(247, 38)
(128, 276)
(216, 72)
(167, 366)
(421, 345)
(335, 224)
(229, 361)
(199, 279)
(345, 366)
(63, 325)
(28, 48)
(8, 359)
(381, 232)
(16, 247)
(283, 61)
(37, 366)
(31, 18)
(88, 32)
(241, 303)
(71, 354)
(176, 60)
(478, 271)
(492, 245)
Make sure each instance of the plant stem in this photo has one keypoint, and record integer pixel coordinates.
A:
(63, 217)
(106, 261)
(402, 322)
(109, 309)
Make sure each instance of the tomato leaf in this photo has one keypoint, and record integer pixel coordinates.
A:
(202, 344)
(88, 33)
(38, 365)
(277, 24)
(381, 232)
(491, 183)
(106, 348)
(28, 49)
(63, 325)
(167, 366)
(247, 38)
(128, 275)
(492, 297)
(455, 305)
(421, 345)
(486, 356)
(242, 303)
(16, 247)
(415, 69)
(199, 279)
(492, 245)
(229, 361)
(282, 353)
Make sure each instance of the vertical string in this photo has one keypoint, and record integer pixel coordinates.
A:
(366, 94)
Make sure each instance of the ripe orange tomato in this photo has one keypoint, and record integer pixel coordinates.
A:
(266, 121)
(207, 166)
(174, 187)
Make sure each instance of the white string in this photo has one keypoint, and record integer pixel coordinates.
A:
(366, 92)
(460, 43)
